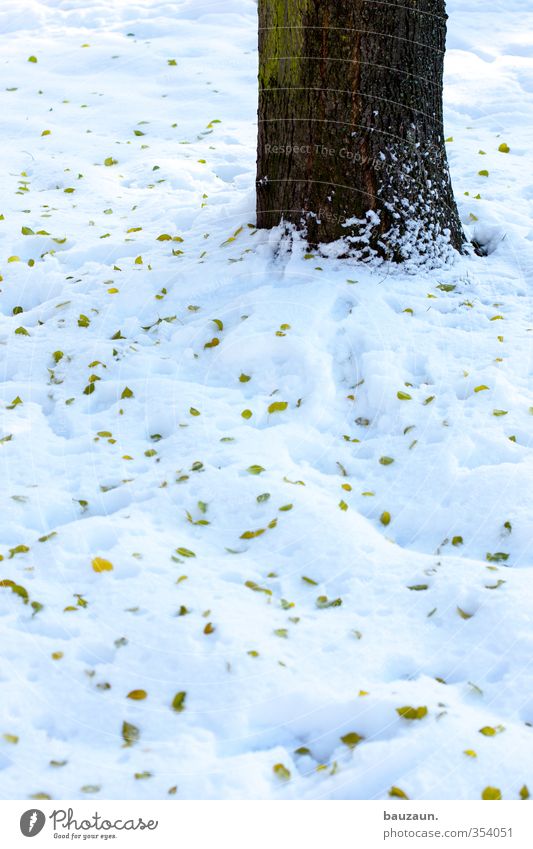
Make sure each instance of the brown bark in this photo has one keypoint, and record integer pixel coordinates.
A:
(351, 140)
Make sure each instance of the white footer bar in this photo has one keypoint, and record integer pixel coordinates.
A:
(266, 825)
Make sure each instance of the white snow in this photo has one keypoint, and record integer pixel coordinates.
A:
(333, 340)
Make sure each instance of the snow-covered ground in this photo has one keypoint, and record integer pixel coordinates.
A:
(277, 583)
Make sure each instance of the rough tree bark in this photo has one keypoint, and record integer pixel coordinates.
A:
(351, 139)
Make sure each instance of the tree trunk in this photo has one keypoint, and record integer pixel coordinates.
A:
(351, 141)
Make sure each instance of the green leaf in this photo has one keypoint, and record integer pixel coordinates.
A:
(11, 738)
(499, 412)
(127, 393)
(463, 614)
(385, 518)
(194, 412)
(244, 378)
(18, 549)
(255, 470)
(419, 587)
(257, 589)
(130, 733)
(409, 712)
(247, 414)
(27, 231)
(16, 588)
(185, 552)
(351, 739)
(278, 407)
(504, 148)
(178, 702)
(21, 331)
(403, 396)
(447, 287)
(32, 59)
(253, 534)
(457, 541)
(524, 792)
(46, 537)
(323, 602)
(483, 173)
(110, 161)
(497, 557)
(488, 731)
(83, 321)
(386, 461)
(343, 506)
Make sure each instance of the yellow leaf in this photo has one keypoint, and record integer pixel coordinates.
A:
(101, 565)
(11, 738)
(395, 792)
(137, 695)
(409, 712)
(278, 407)
(352, 739)
(281, 772)
(491, 793)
